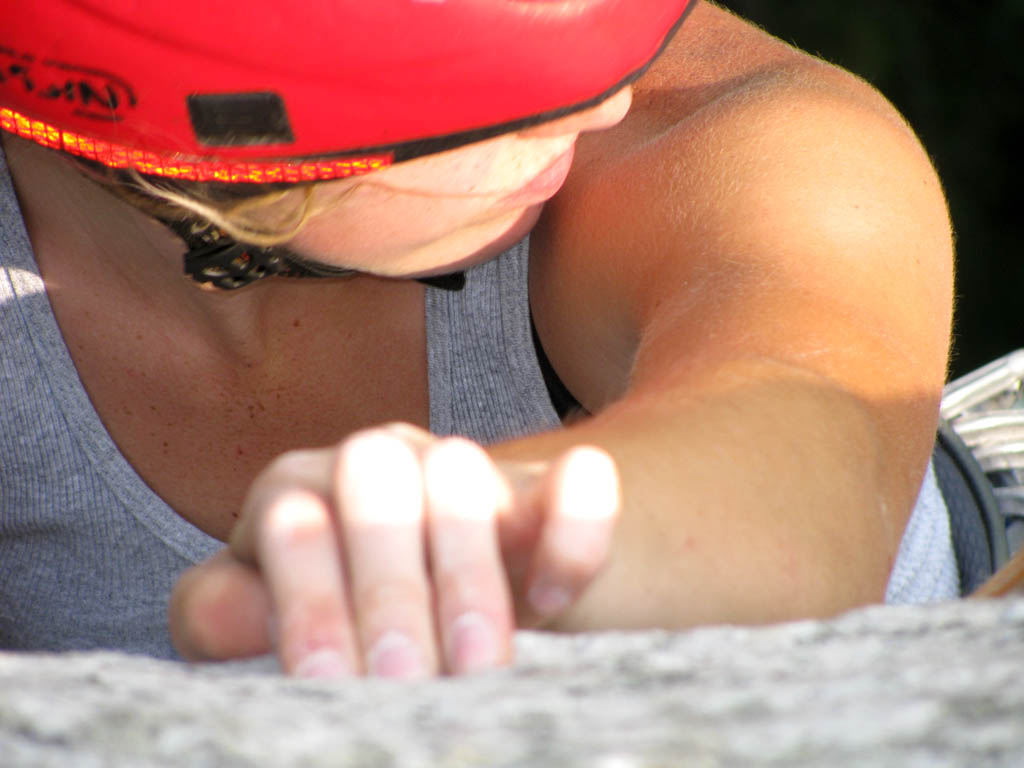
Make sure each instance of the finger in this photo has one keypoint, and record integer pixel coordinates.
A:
(380, 500)
(581, 498)
(520, 513)
(298, 551)
(220, 609)
(415, 437)
(309, 470)
(463, 489)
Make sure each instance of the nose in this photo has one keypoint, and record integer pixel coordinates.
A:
(603, 115)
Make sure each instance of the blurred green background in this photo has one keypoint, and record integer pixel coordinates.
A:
(956, 71)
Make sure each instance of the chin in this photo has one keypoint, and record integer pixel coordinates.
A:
(463, 249)
(453, 252)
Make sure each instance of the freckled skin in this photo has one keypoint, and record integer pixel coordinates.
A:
(746, 281)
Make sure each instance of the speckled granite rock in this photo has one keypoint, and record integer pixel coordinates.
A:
(936, 686)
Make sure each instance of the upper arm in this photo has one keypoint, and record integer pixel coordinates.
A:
(802, 225)
(790, 216)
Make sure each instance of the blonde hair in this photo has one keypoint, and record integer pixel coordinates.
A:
(258, 219)
(257, 214)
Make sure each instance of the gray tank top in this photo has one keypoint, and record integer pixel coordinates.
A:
(89, 554)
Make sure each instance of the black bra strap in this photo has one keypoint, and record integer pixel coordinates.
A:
(561, 398)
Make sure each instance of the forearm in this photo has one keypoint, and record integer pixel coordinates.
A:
(762, 497)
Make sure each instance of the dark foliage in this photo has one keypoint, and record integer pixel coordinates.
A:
(955, 68)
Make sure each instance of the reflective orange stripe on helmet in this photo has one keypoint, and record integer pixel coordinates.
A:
(188, 169)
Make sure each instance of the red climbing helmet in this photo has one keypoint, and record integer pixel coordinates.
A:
(300, 90)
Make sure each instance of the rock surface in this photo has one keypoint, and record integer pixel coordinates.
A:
(935, 686)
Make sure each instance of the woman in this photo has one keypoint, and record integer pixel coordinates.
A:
(745, 285)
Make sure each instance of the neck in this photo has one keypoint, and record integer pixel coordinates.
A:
(89, 242)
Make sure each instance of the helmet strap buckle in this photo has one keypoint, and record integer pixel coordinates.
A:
(216, 258)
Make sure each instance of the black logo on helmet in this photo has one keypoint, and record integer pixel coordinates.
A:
(87, 92)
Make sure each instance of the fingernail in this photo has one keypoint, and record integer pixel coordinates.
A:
(474, 643)
(395, 655)
(549, 599)
(323, 663)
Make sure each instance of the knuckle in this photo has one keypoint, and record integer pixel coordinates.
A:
(399, 427)
(295, 518)
(392, 430)
(376, 444)
(461, 480)
(378, 479)
(287, 465)
(367, 433)
(407, 431)
(457, 443)
(458, 457)
(291, 470)
(394, 433)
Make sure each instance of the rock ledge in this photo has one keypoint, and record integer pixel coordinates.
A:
(930, 686)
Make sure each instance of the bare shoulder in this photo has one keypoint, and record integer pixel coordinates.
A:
(719, 61)
(746, 169)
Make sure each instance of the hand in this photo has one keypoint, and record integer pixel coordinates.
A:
(399, 554)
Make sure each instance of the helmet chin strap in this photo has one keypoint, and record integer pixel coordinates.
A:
(215, 258)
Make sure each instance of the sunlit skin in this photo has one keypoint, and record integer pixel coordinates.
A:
(746, 281)
(398, 485)
(392, 486)
(450, 210)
